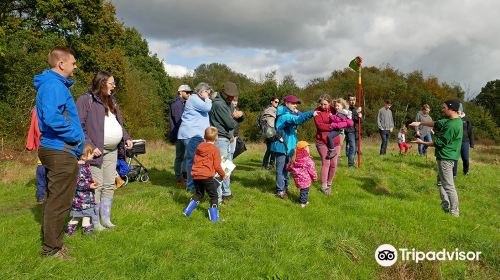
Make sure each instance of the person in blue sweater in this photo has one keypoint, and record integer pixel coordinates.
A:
(61, 144)
(194, 121)
(287, 120)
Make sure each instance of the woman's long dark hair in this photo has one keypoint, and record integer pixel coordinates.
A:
(98, 88)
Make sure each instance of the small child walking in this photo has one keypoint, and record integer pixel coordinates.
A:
(207, 161)
(343, 114)
(83, 202)
(402, 140)
(303, 171)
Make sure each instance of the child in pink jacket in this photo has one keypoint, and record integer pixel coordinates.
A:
(303, 171)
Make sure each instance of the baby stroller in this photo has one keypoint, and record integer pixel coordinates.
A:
(136, 171)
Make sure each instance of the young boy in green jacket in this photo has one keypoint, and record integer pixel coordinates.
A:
(447, 141)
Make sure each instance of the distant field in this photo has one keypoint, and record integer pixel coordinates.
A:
(391, 199)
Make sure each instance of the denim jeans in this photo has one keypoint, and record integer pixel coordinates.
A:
(384, 135)
(422, 149)
(304, 195)
(179, 163)
(282, 175)
(224, 147)
(191, 145)
(351, 147)
(269, 157)
(41, 182)
(464, 153)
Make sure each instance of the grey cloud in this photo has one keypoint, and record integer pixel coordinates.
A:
(322, 35)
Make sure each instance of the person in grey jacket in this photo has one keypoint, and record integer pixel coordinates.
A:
(223, 117)
(385, 124)
(423, 132)
(102, 125)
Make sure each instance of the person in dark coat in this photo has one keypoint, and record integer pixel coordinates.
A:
(467, 141)
(176, 110)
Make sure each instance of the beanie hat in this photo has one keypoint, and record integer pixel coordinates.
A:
(302, 144)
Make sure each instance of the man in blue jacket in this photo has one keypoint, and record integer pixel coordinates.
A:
(61, 144)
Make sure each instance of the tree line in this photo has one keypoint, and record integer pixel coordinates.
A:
(30, 28)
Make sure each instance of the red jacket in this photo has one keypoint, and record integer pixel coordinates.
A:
(34, 134)
(323, 125)
(207, 161)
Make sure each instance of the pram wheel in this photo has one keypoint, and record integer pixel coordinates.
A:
(144, 177)
(126, 180)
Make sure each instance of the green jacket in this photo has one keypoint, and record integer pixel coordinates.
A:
(221, 116)
(448, 139)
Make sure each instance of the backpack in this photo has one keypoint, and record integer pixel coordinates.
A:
(267, 131)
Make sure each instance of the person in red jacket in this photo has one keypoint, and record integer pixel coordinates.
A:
(323, 127)
(207, 161)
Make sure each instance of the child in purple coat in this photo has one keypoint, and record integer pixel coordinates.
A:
(303, 171)
(83, 202)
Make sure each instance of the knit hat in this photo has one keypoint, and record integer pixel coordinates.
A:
(453, 104)
(302, 144)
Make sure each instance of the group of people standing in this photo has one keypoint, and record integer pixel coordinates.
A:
(79, 147)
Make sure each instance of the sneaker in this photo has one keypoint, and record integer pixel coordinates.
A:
(304, 204)
(70, 229)
(466, 173)
(40, 201)
(227, 197)
(282, 195)
(331, 154)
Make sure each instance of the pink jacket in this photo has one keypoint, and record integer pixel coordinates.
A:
(303, 169)
(339, 123)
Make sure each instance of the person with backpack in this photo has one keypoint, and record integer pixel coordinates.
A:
(267, 122)
(284, 146)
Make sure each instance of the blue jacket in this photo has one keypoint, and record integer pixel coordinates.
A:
(286, 126)
(57, 114)
(195, 117)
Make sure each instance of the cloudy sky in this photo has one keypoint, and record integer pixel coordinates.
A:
(457, 41)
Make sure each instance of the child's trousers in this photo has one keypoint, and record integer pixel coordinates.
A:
(209, 185)
(304, 196)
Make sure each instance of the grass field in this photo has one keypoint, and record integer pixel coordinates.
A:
(391, 199)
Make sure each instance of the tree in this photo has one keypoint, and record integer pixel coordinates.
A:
(489, 98)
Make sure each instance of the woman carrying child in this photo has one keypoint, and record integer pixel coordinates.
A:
(323, 127)
(341, 114)
(83, 202)
(303, 171)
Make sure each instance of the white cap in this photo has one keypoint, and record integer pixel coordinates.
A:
(185, 88)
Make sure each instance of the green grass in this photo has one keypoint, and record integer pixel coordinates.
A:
(391, 199)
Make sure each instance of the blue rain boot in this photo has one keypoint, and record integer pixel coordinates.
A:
(106, 213)
(213, 213)
(191, 206)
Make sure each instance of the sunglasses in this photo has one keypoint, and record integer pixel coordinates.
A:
(276, 101)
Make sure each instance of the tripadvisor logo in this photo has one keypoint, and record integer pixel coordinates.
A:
(387, 255)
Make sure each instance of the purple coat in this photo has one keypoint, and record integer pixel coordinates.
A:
(91, 112)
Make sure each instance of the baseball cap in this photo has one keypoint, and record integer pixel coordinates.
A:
(302, 144)
(453, 104)
(291, 99)
(185, 88)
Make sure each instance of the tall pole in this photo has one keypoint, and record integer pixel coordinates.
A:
(359, 119)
